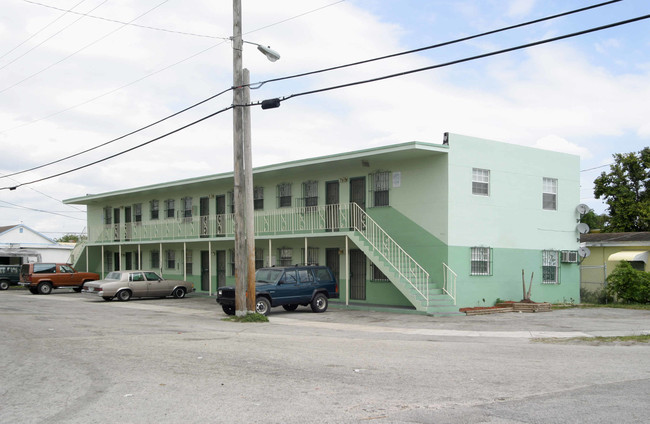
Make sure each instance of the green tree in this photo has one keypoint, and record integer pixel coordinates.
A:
(628, 284)
(626, 190)
(68, 238)
(595, 222)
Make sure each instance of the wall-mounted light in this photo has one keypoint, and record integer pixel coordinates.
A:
(365, 164)
(343, 179)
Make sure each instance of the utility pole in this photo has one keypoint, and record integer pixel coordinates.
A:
(238, 156)
(248, 197)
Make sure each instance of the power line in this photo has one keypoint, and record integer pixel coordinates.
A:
(297, 16)
(80, 50)
(39, 210)
(50, 37)
(467, 59)
(127, 23)
(42, 29)
(323, 70)
(123, 151)
(596, 167)
(118, 138)
(434, 46)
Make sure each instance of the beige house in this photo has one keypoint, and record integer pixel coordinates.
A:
(606, 251)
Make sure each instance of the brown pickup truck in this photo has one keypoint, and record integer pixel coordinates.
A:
(42, 278)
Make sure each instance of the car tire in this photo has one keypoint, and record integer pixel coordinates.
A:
(228, 309)
(33, 290)
(262, 306)
(179, 293)
(319, 303)
(106, 298)
(123, 295)
(45, 288)
(4, 285)
(290, 308)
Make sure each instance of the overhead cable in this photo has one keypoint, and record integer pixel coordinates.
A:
(118, 138)
(434, 46)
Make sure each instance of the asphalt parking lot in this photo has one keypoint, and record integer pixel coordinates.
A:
(70, 358)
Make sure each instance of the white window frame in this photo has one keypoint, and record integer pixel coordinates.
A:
(481, 260)
(549, 194)
(481, 182)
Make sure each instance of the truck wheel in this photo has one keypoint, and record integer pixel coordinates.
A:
(123, 295)
(228, 310)
(45, 288)
(319, 303)
(4, 285)
(262, 306)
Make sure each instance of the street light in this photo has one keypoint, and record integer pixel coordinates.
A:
(243, 171)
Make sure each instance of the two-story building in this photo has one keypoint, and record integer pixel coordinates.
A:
(431, 227)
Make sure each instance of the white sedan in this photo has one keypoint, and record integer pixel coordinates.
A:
(126, 284)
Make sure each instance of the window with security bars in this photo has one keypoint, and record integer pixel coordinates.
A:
(258, 198)
(376, 273)
(137, 213)
(154, 206)
(231, 263)
(171, 259)
(310, 193)
(108, 261)
(155, 259)
(284, 195)
(187, 208)
(169, 208)
(550, 267)
(188, 262)
(481, 181)
(481, 262)
(380, 181)
(231, 203)
(259, 258)
(108, 215)
(312, 255)
(549, 194)
(285, 256)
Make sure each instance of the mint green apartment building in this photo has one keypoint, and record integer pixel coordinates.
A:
(421, 226)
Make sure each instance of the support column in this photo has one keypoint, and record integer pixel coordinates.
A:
(347, 272)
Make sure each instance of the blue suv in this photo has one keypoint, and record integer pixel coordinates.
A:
(288, 287)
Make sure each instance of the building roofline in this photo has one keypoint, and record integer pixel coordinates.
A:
(373, 151)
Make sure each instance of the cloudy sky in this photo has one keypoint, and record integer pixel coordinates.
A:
(78, 73)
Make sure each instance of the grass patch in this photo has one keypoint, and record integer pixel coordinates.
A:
(247, 318)
(638, 306)
(625, 340)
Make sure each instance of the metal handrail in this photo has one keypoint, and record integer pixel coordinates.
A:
(449, 281)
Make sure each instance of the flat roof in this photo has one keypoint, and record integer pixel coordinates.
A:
(406, 150)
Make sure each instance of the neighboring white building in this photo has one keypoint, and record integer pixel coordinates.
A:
(20, 244)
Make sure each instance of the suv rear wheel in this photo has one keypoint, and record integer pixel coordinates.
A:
(45, 288)
(319, 303)
(4, 285)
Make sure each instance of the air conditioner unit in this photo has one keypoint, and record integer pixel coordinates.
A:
(570, 256)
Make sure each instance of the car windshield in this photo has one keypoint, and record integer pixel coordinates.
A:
(113, 276)
(267, 276)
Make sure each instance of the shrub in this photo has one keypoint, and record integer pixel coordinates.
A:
(598, 297)
(629, 284)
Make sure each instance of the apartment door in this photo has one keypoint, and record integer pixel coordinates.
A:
(358, 196)
(221, 215)
(357, 275)
(116, 224)
(205, 270)
(332, 260)
(221, 268)
(116, 261)
(204, 213)
(332, 209)
(128, 260)
(127, 224)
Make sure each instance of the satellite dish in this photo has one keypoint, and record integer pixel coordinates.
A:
(582, 228)
(583, 209)
(584, 252)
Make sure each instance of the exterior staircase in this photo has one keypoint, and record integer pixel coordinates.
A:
(400, 268)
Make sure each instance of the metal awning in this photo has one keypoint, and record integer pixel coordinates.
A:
(630, 256)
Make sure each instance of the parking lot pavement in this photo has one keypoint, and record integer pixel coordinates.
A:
(74, 359)
(560, 323)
